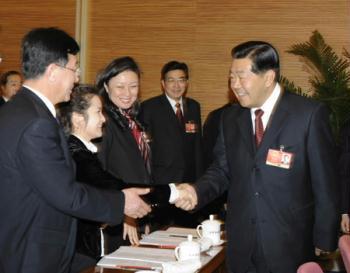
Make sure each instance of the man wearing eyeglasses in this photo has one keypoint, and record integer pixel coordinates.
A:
(174, 123)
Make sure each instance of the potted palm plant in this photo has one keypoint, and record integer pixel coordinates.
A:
(329, 78)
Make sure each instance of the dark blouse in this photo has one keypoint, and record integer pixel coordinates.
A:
(89, 171)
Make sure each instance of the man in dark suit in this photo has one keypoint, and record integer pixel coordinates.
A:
(279, 213)
(174, 124)
(39, 196)
(10, 83)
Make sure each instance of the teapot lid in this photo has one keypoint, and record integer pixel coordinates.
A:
(189, 241)
(211, 220)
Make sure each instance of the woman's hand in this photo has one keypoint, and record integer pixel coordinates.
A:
(345, 223)
(130, 230)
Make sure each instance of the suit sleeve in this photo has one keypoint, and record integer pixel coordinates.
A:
(321, 155)
(199, 145)
(215, 180)
(344, 168)
(46, 165)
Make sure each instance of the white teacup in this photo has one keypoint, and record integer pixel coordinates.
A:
(188, 250)
(210, 229)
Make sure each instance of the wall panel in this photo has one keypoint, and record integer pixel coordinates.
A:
(18, 17)
(202, 33)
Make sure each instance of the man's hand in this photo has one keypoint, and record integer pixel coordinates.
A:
(319, 252)
(134, 206)
(345, 223)
(187, 199)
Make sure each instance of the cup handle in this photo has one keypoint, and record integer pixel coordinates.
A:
(177, 253)
(199, 227)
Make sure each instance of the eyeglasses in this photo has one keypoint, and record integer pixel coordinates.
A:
(76, 70)
(173, 80)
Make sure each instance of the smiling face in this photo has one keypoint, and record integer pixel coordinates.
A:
(90, 124)
(251, 89)
(13, 84)
(175, 84)
(123, 89)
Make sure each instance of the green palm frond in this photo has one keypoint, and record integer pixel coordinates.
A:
(329, 77)
(290, 86)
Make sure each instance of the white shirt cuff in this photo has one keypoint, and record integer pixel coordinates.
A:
(174, 193)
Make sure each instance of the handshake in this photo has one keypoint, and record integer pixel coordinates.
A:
(136, 207)
(187, 197)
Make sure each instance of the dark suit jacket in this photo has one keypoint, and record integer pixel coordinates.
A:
(2, 101)
(344, 168)
(176, 155)
(89, 171)
(120, 154)
(292, 209)
(39, 196)
(211, 132)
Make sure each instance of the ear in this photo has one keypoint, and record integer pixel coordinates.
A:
(163, 84)
(270, 76)
(51, 72)
(78, 121)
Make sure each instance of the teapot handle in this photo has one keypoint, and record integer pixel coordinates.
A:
(199, 229)
(177, 249)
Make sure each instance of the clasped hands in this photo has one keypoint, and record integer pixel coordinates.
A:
(135, 207)
(187, 199)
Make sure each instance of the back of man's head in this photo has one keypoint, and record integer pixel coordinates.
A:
(44, 46)
(262, 54)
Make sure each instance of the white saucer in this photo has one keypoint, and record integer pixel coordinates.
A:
(147, 271)
(219, 243)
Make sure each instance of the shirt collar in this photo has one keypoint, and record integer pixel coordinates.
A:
(88, 144)
(173, 102)
(45, 100)
(269, 104)
(5, 99)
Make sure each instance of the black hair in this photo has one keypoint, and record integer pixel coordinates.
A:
(174, 65)
(262, 54)
(79, 103)
(44, 46)
(4, 77)
(113, 69)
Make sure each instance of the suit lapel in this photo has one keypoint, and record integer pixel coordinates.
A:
(244, 121)
(45, 111)
(276, 123)
(169, 112)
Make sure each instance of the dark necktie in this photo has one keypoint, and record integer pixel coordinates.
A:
(179, 113)
(259, 128)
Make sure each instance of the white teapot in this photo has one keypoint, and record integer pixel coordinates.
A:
(210, 229)
(188, 250)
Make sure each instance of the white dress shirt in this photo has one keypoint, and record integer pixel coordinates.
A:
(267, 107)
(173, 103)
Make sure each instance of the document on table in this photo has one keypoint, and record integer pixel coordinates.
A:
(128, 257)
(170, 238)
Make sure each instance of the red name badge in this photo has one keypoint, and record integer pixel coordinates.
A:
(279, 158)
(191, 127)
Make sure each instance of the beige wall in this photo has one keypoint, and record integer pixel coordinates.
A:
(19, 16)
(202, 33)
(199, 32)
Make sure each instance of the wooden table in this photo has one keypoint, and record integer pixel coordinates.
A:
(217, 265)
